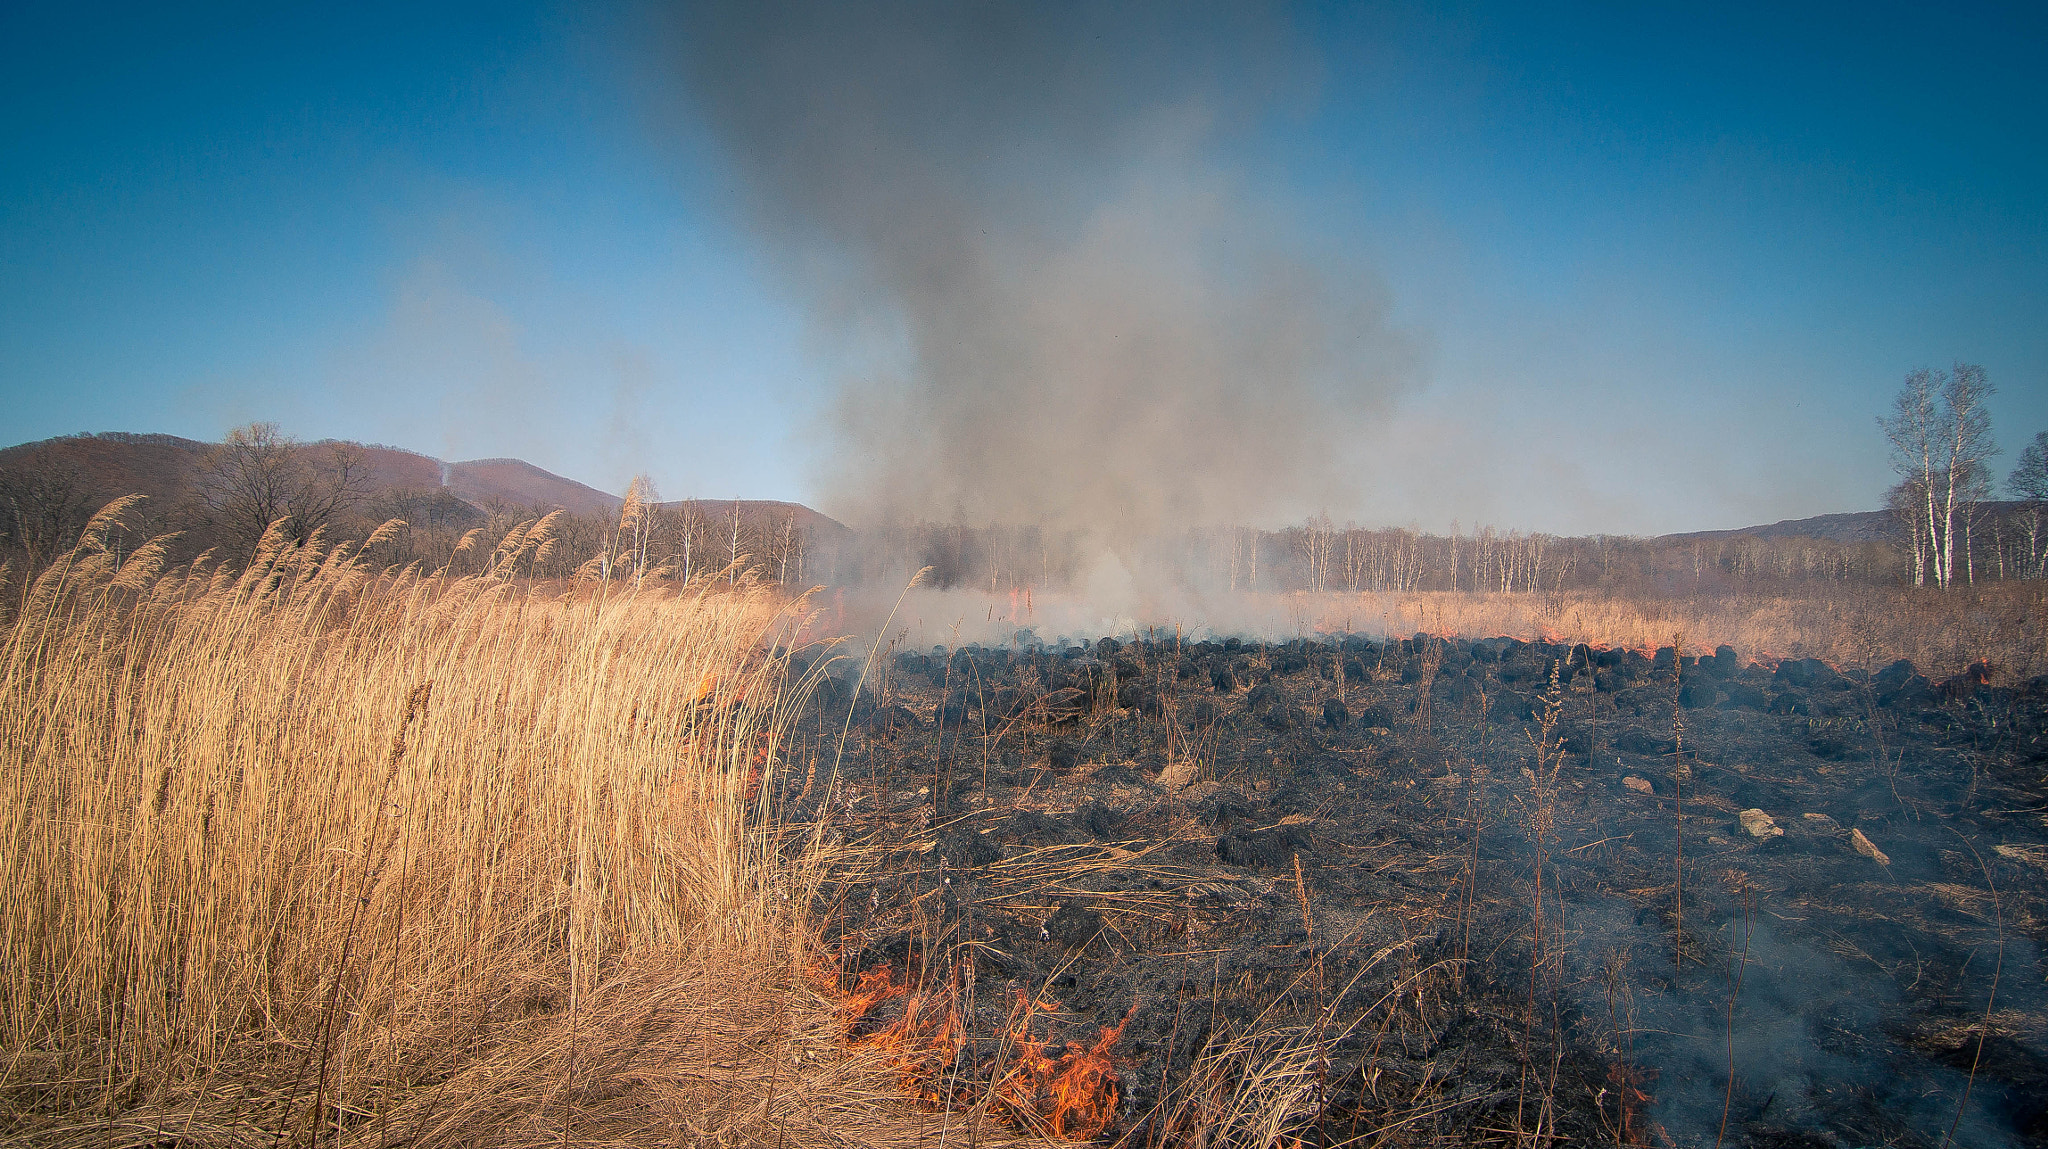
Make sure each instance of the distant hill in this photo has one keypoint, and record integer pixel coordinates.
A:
(163, 467)
(821, 526)
(166, 467)
(518, 483)
(1847, 527)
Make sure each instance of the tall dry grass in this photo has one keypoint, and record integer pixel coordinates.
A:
(1846, 625)
(311, 852)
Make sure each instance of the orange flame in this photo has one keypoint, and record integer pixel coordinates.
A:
(1073, 1095)
(707, 684)
(869, 990)
(1632, 1101)
(762, 757)
(921, 1045)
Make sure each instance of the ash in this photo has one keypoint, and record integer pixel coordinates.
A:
(1428, 891)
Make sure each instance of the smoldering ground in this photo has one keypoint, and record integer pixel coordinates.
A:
(1033, 242)
(1278, 831)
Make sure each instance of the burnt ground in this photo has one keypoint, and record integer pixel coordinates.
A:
(1307, 876)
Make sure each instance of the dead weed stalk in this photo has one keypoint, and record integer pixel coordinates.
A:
(555, 910)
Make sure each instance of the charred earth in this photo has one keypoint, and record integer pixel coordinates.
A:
(1426, 891)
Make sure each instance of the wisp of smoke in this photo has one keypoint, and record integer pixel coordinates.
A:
(1028, 237)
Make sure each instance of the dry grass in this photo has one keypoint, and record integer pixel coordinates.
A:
(313, 853)
(1860, 626)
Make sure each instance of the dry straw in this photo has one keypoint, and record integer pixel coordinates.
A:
(1848, 625)
(311, 853)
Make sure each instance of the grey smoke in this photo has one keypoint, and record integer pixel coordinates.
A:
(1808, 1026)
(1029, 238)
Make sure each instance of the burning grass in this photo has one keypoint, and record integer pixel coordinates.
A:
(1027, 1084)
(1427, 892)
(1073, 1094)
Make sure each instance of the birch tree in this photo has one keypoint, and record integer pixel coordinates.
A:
(1940, 435)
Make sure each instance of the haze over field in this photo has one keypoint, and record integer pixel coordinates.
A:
(1235, 263)
(1186, 575)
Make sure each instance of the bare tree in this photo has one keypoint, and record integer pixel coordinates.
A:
(1311, 546)
(1970, 484)
(1907, 503)
(733, 547)
(2029, 481)
(2029, 484)
(258, 476)
(791, 548)
(1940, 433)
(42, 507)
(690, 526)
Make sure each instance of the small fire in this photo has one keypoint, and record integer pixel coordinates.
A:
(705, 686)
(869, 990)
(1632, 1101)
(921, 1045)
(1072, 1095)
(761, 760)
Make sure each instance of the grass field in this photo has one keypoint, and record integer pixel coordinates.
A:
(309, 853)
(312, 852)
(1860, 626)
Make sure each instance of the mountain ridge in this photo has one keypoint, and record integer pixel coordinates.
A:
(168, 467)
(1837, 527)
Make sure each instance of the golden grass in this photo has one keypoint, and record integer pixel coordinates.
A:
(313, 853)
(1848, 626)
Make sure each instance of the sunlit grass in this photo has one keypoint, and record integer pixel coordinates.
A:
(312, 851)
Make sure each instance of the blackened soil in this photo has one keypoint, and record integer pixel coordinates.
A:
(1473, 890)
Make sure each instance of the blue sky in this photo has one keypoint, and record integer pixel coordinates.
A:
(1654, 272)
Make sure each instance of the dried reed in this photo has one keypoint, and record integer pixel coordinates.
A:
(1863, 626)
(312, 852)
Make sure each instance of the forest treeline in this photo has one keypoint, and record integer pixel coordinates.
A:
(2007, 542)
(227, 496)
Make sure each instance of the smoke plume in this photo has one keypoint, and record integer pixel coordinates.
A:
(1031, 239)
